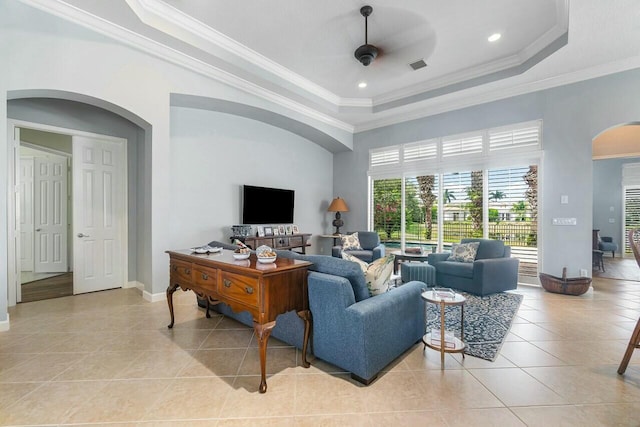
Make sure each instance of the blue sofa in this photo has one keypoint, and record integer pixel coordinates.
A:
(351, 330)
(371, 250)
(492, 271)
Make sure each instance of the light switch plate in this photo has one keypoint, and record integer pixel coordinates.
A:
(564, 199)
(564, 221)
(611, 220)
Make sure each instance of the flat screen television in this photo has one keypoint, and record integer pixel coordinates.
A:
(262, 205)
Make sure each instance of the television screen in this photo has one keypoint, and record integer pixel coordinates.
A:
(261, 205)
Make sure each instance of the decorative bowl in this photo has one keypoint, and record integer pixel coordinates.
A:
(267, 260)
(241, 256)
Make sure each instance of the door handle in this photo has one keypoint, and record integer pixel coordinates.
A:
(82, 235)
(38, 229)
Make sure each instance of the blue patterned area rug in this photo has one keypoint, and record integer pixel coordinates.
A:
(487, 321)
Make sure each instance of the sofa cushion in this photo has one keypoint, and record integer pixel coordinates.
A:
(488, 248)
(455, 268)
(364, 255)
(464, 252)
(351, 242)
(337, 267)
(377, 274)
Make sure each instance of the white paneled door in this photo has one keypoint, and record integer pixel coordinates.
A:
(99, 214)
(50, 214)
(26, 213)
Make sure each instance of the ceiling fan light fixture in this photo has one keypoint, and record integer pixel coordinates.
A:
(367, 52)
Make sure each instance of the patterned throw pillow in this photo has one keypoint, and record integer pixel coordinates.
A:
(377, 274)
(351, 242)
(464, 252)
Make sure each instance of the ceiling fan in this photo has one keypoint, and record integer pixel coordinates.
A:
(367, 52)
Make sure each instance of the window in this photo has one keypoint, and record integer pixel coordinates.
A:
(437, 209)
(387, 208)
(631, 212)
(421, 212)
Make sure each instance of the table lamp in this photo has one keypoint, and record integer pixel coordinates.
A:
(338, 205)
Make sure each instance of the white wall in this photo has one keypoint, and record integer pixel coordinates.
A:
(213, 154)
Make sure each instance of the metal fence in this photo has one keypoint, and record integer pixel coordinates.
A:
(522, 237)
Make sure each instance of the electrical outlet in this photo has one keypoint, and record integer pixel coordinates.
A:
(583, 272)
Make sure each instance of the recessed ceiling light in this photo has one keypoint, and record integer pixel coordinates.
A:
(494, 37)
(362, 85)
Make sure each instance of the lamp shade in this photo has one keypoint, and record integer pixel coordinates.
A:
(338, 205)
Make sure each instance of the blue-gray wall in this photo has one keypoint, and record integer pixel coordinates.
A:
(572, 116)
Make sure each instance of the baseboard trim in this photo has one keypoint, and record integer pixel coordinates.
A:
(4, 324)
(148, 296)
(133, 284)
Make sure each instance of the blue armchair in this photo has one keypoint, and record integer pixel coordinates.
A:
(606, 244)
(371, 250)
(351, 330)
(492, 271)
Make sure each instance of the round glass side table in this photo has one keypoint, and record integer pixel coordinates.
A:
(442, 340)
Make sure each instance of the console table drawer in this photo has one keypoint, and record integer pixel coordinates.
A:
(295, 241)
(205, 277)
(180, 272)
(281, 242)
(240, 288)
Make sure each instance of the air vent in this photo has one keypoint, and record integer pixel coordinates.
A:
(418, 64)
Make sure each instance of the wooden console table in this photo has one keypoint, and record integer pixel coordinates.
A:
(264, 290)
(288, 241)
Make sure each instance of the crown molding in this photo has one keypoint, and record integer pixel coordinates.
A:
(422, 109)
(92, 22)
(450, 79)
(152, 12)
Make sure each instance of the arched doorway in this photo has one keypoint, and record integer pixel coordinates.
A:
(80, 114)
(616, 193)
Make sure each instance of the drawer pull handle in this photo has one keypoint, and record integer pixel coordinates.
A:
(175, 268)
(227, 283)
(187, 270)
(249, 289)
(205, 276)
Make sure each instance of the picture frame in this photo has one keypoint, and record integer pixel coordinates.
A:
(275, 231)
(281, 229)
(289, 231)
(260, 231)
(268, 231)
(294, 229)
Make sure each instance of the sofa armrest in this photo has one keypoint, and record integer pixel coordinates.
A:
(378, 252)
(387, 306)
(365, 336)
(336, 251)
(433, 259)
(329, 293)
(495, 274)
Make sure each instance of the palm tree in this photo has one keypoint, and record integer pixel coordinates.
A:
(520, 209)
(497, 195)
(426, 184)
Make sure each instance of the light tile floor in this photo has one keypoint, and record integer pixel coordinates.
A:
(107, 358)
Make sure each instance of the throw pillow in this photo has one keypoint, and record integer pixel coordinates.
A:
(351, 242)
(377, 274)
(464, 252)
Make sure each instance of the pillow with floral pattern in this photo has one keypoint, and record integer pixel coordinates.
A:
(464, 252)
(377, 274)
(351, 242)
